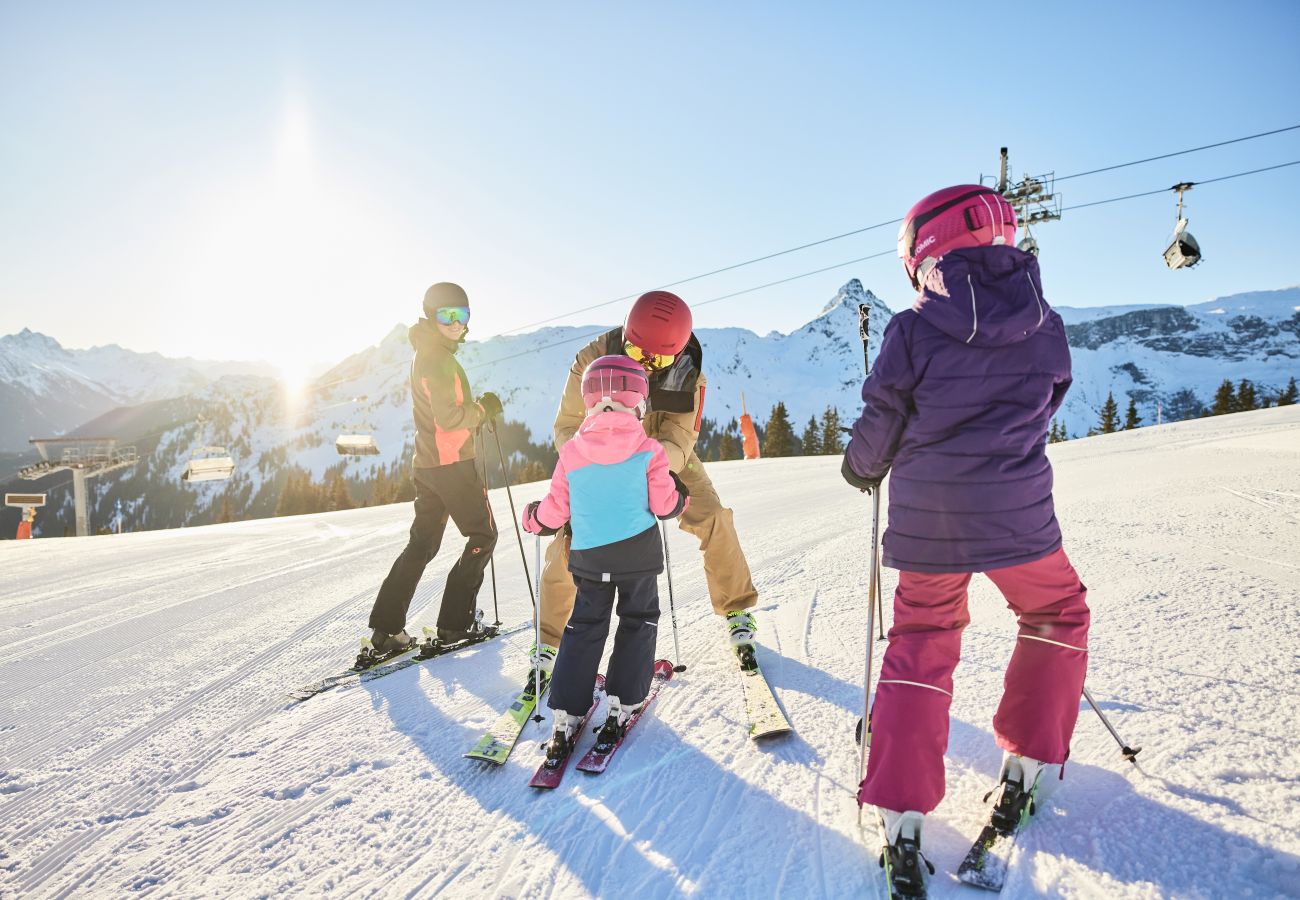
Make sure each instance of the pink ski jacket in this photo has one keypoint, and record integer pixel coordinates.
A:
(611, 483)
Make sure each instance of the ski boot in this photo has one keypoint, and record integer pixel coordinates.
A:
(561, 744)
(543, 660)
(609, 734)
(444, 640)
(1016, 792)
(382, 646)
(900, 856)
(740, 630)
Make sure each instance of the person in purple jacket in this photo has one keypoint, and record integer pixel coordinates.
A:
(957, 408)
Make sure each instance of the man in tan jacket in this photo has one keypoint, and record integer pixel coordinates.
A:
(658, 335)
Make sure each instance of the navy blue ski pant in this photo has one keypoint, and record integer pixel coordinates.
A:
(632, 662)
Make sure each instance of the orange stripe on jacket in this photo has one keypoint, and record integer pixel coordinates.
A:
(449, 443)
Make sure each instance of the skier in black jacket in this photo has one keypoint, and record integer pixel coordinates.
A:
(447, 484)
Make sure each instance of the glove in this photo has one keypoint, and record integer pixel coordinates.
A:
(491, 405)
(532, 524)
(681, 485)
(866, 485)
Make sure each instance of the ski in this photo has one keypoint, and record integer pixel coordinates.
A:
(419, 652)
(598, 757)
(985, 865)
(495, 745)
(764, 714)
(551, 771)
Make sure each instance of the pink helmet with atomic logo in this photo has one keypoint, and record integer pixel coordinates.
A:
(965, 215)
(617, 378)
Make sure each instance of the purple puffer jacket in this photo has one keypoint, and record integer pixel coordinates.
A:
(958, 403)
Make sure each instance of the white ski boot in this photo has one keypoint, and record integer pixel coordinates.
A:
(615, 725)
(1018, 790)
(564, 737)
(900, 854)
(741, 628)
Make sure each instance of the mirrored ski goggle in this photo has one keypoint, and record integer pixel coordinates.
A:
(450, 315)
(655, 361)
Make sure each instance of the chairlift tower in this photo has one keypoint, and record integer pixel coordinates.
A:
(1034, 199)
(86, 458)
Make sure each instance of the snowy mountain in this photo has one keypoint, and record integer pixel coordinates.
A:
(1174, 356)
(147, 746)
(47, 390)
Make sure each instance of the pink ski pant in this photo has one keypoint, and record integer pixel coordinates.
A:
(1040, 699)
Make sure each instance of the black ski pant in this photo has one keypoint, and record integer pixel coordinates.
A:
(632, 662)
(452, 491)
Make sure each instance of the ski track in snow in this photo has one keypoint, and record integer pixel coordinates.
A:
(148, 745)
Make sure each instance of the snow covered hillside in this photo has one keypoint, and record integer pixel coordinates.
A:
(146, 744)
(47, 390)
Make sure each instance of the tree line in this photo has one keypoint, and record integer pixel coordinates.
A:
(1228, 398)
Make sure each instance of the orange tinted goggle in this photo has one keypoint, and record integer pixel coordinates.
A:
(649, 360)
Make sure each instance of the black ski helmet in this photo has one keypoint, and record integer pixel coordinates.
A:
(443, 294)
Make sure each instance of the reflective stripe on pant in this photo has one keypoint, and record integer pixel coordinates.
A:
(1043, 684)
(725, 568)
(632, 661)
(453, 491)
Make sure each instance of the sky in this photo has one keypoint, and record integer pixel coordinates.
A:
(282, 181)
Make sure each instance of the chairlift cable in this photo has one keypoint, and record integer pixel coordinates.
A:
(739, 265)
(1293, 162)
(1137, 162)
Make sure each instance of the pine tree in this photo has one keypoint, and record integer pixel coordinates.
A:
(1054, 433)
(534, 471)
(1246, 396)
(1288, 396)
(810, 444)
(779, 439)
(832, 442)
(728, 447)
(1183, 405)
(225, 514)
(1131, 418)
(334, 493)
(1225, 400)
(1109, 415)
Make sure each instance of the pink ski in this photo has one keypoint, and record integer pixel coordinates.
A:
(595, 762)
(549, 778)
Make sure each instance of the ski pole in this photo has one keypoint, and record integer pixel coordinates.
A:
(872, 587)
(492, 560)
(1130, 753)
(537, 628)
(505, 478)
(864, 320)
(672, 611)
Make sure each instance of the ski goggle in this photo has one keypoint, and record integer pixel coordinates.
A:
(450, 315)
(653, 361)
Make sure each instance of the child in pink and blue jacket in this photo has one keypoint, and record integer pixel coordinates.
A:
(611, 485)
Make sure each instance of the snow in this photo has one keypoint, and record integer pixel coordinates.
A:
(146, 743)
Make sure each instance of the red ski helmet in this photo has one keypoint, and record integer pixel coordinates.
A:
(965, 215)
(617, 378)
(658, 324)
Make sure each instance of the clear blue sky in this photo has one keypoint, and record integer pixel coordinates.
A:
(299, 173)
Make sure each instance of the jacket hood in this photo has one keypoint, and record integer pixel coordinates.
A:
(424, 335)
(609, 437)
(984, 296)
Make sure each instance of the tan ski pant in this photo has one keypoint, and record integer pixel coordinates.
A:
(725, 568)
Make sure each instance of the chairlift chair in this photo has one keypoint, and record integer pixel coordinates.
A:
(356, 445)
(1183, 252)
(209, 464)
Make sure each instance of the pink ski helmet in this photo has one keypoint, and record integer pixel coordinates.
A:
(965, 215)
(618, 378)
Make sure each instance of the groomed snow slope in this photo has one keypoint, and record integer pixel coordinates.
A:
(147, 746)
